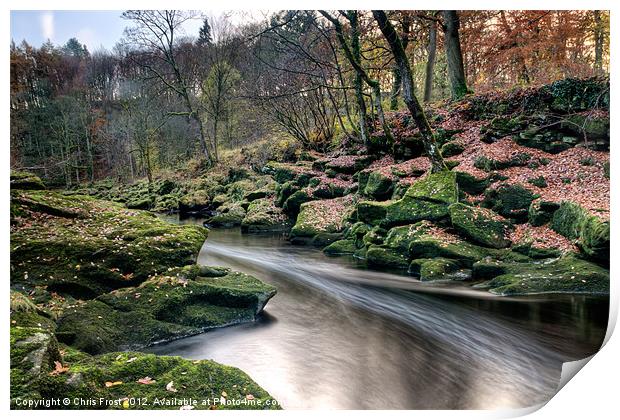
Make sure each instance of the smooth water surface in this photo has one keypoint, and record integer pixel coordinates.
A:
(338, 335)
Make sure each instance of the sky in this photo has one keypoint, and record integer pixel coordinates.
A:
(94, 28)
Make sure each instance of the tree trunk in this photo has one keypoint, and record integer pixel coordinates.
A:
(430, 63)
(397, 77)
(417, 113)
(359, 90)
(598, 42)
(454, 56)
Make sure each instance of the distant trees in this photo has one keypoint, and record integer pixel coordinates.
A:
(326, 78)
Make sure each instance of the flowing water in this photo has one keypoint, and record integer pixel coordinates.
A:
(338, 335)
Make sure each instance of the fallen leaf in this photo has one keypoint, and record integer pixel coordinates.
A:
(110, 384)
(170, 387)
(224, 394)
(249, 397)
(59, 368)
(147, 380)
(187, 407)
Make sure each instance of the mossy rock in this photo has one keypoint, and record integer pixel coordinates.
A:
(341, 247)
(229, 215)
(25, 181)
(263, 216)
(195, 201)
(324, 239)
(163, 308)
(293, 203)
(378, 186)
(488, 164)
(400, 237)
(105, 248)
(438, 269)
(541, 212)
(321, 216)
(172, 383)
(470, 184)
(427, 199)
(256, 194)
(511, 201)
(480, 225)
(451, 149)
(591, 233)
(380, 256)
(440, 187)
(375, 236)
(568, 274)
(284, 191)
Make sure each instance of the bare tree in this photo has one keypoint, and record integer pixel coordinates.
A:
(417, 113)
(155, 34)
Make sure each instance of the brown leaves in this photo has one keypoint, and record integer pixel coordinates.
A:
(110, 384)
(58, 369)
(147, 380)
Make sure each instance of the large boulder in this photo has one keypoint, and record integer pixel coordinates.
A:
(480, 225)
(263, 216)
(379, 186)
(165, 307)
(591, 233)
(510, 201)
(426, 199)
(26, 181)
(381, 256)
(322, 216)
(438, 269)
(568, 274)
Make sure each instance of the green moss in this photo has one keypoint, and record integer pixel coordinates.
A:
(292, 205)
(284, 191)
(263, 216)
(539, 181)
(341, 247)
(569, 219)
(511, 201)
(323, 239)
(380, 256)
(192, 382)
(438, 269)
(378, 186)
(26, 181)
(438, 187)
(451, 149)
(374, 236)
(541, 212)
(161, 309)
(564, 275)
(400, 237)
(230, 214)
(488, 165)
(470, 184)
(480, 225)
(105, 248)
(194, 201)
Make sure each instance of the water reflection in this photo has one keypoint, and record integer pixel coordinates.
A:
(339, 336)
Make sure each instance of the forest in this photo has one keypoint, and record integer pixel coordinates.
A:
(432, 184)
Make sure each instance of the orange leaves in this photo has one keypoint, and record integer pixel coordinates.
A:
(58, 369)
(110, 384)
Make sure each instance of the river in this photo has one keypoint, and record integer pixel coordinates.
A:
(338, 335)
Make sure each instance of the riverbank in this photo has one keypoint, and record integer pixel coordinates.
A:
(90, 278)
(523, 208)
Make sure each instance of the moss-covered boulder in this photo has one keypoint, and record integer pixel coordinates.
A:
(379, 186)
(426, 199)
(452, 149)
(381, 256)
(324, 239)
(322, 216)
(132, 380)
(541, 212)
(568, 274)
(83, 247)
(470, 184)
(591, 233)
(293, 203)
(228, 215)
(194, 201)
(438, 269)
(163, 308)
(511, 201)
(480, 225)
(400, 237)
(26, 181)
(263, 216)
(341, 247)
